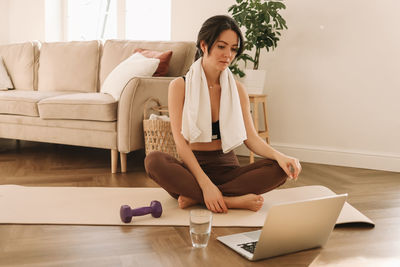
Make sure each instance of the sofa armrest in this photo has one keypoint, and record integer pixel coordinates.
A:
(130, 109)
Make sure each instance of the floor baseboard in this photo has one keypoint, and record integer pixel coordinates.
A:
(322, 155)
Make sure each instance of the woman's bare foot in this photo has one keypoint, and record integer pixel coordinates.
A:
(184, 202)
(250, 202)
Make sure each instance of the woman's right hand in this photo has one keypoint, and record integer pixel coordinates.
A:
(213, 198)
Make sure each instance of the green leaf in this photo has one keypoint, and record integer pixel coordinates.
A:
(262, 24)
(280, 5)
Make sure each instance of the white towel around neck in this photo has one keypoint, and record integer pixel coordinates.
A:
(196, 117)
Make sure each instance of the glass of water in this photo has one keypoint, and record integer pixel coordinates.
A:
(200, 227)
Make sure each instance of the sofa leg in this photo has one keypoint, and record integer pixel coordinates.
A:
(123, 161)
(114, 160)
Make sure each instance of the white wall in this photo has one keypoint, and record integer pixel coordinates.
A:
(4, 17)
(22, 20)
(26, 21)
(54, 24)
(333, 85)
(188, 16)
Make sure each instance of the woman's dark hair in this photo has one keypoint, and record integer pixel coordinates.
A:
(212, 28)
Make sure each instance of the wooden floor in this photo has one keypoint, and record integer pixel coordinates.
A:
(375, 193)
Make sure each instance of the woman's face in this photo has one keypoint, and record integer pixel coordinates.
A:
(223, 51)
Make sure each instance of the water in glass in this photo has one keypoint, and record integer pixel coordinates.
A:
(200, 227)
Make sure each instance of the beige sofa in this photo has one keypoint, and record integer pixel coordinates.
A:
(57, 99)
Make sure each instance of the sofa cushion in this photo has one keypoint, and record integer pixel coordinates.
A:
(81, 106)
(71, 124)
(5, 81)
(21, 102)
(136, 65)
(20, 61)
(116, 51)
(69, 66)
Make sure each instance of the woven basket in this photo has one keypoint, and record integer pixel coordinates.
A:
(157, 133)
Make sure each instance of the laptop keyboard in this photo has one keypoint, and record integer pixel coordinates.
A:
(250, 246)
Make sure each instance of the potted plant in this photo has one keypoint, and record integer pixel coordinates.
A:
(262, 24)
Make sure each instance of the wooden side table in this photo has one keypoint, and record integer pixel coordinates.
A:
(255, 100)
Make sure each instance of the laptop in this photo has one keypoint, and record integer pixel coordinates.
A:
(289, 227)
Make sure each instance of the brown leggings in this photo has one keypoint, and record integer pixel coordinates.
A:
(223, 170)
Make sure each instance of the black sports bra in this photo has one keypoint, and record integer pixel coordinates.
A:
(216, 134)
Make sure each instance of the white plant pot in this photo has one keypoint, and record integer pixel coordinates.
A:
(254, 81)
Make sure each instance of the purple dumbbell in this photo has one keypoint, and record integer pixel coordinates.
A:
(127, 213)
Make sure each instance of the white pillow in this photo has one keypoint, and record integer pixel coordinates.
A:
(5, 81)
(133, 66)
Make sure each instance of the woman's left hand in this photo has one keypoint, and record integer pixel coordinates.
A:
(290, 165)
